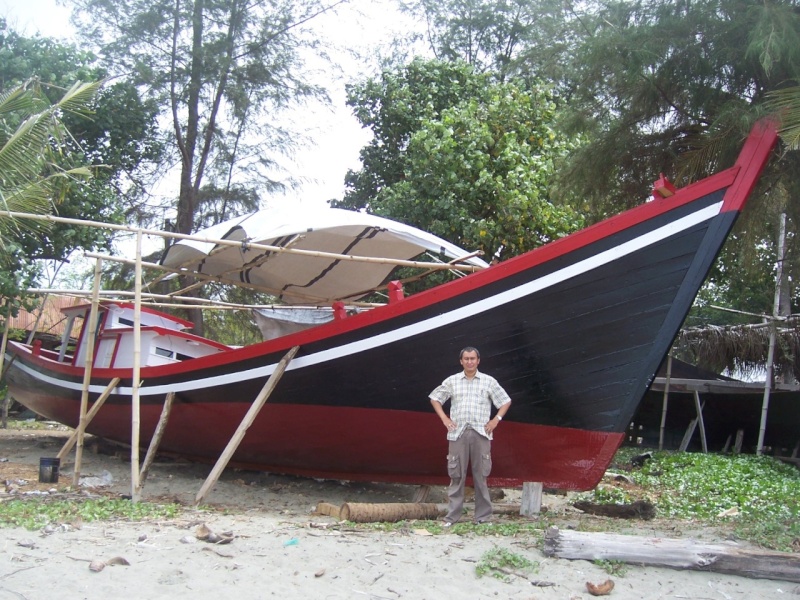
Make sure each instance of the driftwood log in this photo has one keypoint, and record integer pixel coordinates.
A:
(674, 553)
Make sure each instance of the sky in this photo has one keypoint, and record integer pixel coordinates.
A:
(337, 136)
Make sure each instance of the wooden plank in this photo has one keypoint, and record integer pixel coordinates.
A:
(152, 450)
(89, 416)
(531, 498)
(238, 435)
(726, 558)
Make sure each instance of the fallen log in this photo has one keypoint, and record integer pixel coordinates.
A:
(726, 558)
(393, 512)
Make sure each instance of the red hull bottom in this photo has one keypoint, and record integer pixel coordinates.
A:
(354, 444)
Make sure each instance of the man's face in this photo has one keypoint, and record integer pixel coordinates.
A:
(470, 362)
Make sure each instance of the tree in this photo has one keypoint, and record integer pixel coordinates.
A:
(674, 87)
(115, 135)
(34, 177)
(461, 156)
(495, 35)
(220, 70)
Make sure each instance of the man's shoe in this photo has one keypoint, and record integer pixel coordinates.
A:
(447, 524)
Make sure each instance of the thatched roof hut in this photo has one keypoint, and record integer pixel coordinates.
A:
(743, 349)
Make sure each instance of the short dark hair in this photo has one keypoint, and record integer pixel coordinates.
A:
(469, 349)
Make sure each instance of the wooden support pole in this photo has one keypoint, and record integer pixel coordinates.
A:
(664, 403)
(777, 310)
(89, 416)
(687, 437)
(252, 413)
(136, 384)
(531, 498)
(737, 446)
(87, 371)
(699, 408)
(3, 344)
(152, 450)
(727, 445)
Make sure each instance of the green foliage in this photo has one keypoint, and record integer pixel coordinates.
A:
(607, 494)
(105, 133)
(759, 495)
(472, 166)
(708, 484)
(394, 106)
(501, 564)
(617, 568)
(35, 513)
(35, 177)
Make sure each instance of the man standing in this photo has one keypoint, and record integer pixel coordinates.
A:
(469, 432)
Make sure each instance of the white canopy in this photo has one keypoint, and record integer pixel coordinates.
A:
(301, 278)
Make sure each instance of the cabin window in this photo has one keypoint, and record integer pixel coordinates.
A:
(124, 321)
(163, 352)
(180, 356)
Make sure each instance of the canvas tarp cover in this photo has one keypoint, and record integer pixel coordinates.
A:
(299, 279)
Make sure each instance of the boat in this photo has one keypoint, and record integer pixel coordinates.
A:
(574, 330)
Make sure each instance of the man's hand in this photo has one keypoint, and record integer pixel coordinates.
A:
(451, 426)
(491, 426)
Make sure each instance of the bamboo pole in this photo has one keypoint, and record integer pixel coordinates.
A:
(89, 416)
(214, 278)
(157, 435)
(249, 417)
(664, 404)
(770, 379)
(88, 361)
(136, 488)
(3, 345)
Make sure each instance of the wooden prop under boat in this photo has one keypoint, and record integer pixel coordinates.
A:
(574, 331)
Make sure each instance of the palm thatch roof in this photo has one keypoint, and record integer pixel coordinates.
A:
(743, 348)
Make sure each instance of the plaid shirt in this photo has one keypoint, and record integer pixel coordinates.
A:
(470, 401)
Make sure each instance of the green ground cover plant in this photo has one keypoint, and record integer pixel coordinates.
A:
(36, 513)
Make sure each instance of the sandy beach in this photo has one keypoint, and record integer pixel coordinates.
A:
(275, 545)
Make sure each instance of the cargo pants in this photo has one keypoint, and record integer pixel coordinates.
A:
(476, 450)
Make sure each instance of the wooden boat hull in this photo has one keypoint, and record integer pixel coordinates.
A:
(574, 331)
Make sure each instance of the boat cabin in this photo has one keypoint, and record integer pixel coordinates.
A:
(163, 339)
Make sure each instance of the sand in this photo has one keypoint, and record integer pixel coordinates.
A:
(276, 546)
